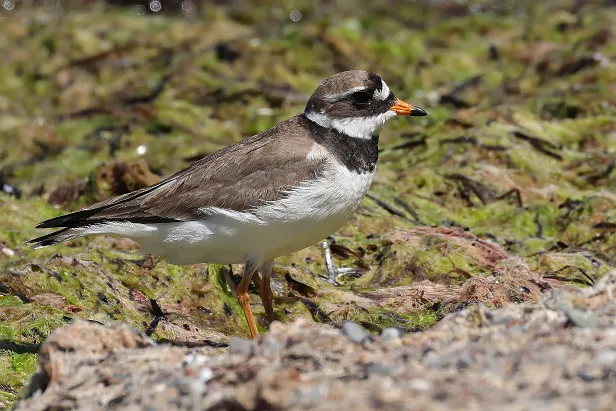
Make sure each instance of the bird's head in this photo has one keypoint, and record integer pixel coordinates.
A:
(356, 103)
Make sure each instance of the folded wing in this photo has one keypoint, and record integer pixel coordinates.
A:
(239, 178)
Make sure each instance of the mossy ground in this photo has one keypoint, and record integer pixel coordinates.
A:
(97, 102)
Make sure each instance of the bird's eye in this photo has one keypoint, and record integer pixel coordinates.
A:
(361, 97)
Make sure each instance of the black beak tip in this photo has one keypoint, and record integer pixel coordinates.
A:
(418, 112)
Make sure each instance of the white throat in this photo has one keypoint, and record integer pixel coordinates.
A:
(359, 127)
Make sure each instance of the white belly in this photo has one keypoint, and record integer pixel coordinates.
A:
(229, 240)
(308, 214)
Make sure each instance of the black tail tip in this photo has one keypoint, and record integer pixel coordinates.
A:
(36, 243)
(50, 239)
(46, 224)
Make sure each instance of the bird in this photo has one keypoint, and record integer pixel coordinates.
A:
(266, 196)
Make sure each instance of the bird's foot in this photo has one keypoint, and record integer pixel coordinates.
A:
(335, 273)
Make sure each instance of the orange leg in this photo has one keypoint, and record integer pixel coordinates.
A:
(265, 290)
(244, 299)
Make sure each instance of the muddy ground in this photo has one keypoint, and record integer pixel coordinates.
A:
(504, 193)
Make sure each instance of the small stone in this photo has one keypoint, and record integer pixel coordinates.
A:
(265, 111)
(276, 327)
(271, 347)
(376, 369)
(579, 318)
(464, 361)
(206, 374)
(420, 384)
(605, 357)
(8, 252)
(240, 346)
(354, 332)
(195, 359)
(390, 334)
(592, 373)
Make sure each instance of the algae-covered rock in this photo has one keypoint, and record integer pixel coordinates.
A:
(118, 178)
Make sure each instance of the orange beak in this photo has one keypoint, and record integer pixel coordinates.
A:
(405, 109)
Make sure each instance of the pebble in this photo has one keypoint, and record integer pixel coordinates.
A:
(241, 346)
(390, 334)
(606, 357)
(265, 111)
(8, 252)
(195, 359)
(420, 384)
(376, 369)
(592, 373)
(271, 348)
(309, 394)
(354, 331)
(464, 361)
(11, 190)
(578, 317)
(206, 374)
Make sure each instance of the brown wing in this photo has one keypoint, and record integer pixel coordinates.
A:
(239, 177)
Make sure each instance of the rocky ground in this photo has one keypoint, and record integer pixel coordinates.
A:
(504, 193)
(559, 354)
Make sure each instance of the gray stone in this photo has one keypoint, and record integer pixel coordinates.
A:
(241, 346)
(606, 358)
(354, 331)
(391, 333)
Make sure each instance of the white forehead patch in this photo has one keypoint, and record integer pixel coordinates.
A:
(383, 94)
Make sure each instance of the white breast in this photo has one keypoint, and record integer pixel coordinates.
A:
(336, 194)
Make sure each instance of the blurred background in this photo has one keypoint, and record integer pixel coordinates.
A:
(518, 153)
(168, 82)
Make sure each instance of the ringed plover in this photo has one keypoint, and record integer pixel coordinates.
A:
(269, 195)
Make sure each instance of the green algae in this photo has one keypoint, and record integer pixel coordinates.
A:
(15, 369)
(9, 301)
(378, 320)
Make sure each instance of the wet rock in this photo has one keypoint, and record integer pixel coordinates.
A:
(354, 332)
(6, 252)
(66, 193)
(122, 177)
(463, 362)
(606, 358)
(241, 346)
(10, 189)
(390, 334)
(379, 370)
